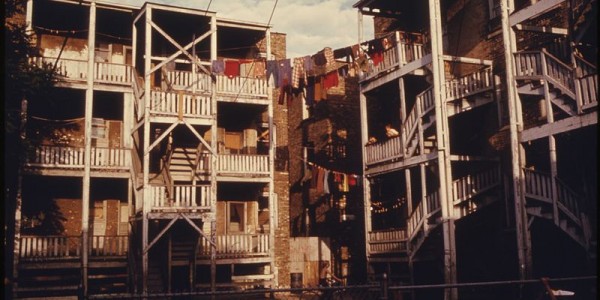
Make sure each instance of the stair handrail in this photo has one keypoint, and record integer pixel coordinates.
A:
(197, 160)
(583, 67)
(167, 178)
(417, 111)
(570, 203)
(567, 81)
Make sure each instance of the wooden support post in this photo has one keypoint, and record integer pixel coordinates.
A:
(147, 192)
(89, 104)
(443, 146)
(19, 201)
(364, 132)
(213, 173)
(514, 111)
(272, 144)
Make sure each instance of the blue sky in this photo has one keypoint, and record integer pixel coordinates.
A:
(310, 25)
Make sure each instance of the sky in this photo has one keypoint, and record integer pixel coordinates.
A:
(310, 25)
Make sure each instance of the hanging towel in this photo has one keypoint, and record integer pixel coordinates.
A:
(218, 67)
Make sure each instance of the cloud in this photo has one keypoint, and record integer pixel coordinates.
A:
(310, 25)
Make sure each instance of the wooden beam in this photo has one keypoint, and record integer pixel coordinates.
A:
(182, 50)
(533, 11)
(160, 234)
(468, 60)
(199, 137)
(406, 69)
(198, 229)
(560, 126)
(161, 137)
(545, 29)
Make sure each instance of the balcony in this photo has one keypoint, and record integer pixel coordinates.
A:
(237, 246)
(180, 198)
(238, 89)
(383, 151)
(41, 248)
(170, 104)
(58, 157)
(243, 164)
(388, 241)
(77, 70)
(393, 58)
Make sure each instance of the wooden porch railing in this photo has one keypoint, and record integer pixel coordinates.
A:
(383, 151)
(387, 241)
(112, 73)
(184, 197)
(237, 244)
(423, 105)
(73, 157)
(76, 69)
(469, 84)
(422, 212)
(538, 186)
(104, 245)
(180, 104)
(242, 86)
(586, 83)
(187, 81)
(243, 163)
(542, 65)
(48, 247)
(409, 52)
(471, 185)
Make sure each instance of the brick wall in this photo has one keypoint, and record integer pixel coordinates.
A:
(281, 180)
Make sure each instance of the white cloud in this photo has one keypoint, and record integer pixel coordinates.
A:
(310, 25)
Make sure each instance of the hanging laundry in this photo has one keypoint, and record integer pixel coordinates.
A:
(326, 182)
(247, 69)
(273, 69)
(318, 89)
(285, 71)
(232, 68)
(330, 80)
(218, 67)
(308, 64)
(315, 177)
(376, 51)
(298, 72)
(319, 59)
(345, 187)
(309, 95)
(342, 52)
(352, 180)
(320, 181)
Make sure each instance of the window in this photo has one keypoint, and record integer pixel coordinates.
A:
(494, 7)
(236, 217)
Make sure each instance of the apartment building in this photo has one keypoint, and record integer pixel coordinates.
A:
(480, 139)
(150, 166)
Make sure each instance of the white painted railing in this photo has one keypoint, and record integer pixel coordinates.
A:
(542, 64)
(44, 247)
(77, 69)
(469, 84)
(112, 73)
(184, 197)
(538, 185)
(69, 68)
(242, 87)
(382, 151)
(423, 105)
(185, 80)
(73, 157)
(104, 245)
(32, 247)
(387, 241)
(411, 52)
(243, 164)
(390, 60)
(419, 215)
(180, 104)
(238, 244)
(469, 186)
(586, 83)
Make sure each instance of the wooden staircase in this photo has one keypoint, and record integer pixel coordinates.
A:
(427, 215)
(567, 216)
(573, 89)
(186, 162)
